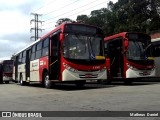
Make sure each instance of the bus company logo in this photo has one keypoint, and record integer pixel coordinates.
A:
(41, 62)
(88, 75)
(34, 64)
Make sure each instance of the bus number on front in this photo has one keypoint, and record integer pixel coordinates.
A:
(96, 67)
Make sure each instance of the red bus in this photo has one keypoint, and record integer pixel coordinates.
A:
(129, 56)
(72, 52)
(6, 71)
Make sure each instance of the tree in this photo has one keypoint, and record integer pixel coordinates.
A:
(63, 20)
(82, 18)
(126, 15)
(154, 7)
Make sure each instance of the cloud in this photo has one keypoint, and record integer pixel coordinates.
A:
(13, 22)
(24, 6)
(15, 25)
(15, 19)
(12, 43)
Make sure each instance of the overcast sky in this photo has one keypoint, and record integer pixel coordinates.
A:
(15, 19)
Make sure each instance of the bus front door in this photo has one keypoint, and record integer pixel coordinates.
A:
(54, 66)
(116, 58)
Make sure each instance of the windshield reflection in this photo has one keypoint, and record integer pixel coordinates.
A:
(137, 50)
(7, 68)
(81, 46)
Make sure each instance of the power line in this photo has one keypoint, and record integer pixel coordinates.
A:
(60, 8)
(69, 11)
(74, 13)
(43, 6)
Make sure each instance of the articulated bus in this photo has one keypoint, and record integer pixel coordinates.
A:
(72, 52)
(156, 51)
(129, 55)
(6, 71)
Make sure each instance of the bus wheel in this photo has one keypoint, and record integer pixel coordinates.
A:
(1, 81)
(47, 82)
(7, 82)
(80, 84)
(127, 82)
(107, 81)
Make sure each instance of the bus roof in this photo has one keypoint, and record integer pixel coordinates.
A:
(120, 34)
(3, 61)
(62, 28)
(115, 35)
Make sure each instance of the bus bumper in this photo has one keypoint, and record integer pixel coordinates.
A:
(139, 73)
(73, 76)
(5, 78)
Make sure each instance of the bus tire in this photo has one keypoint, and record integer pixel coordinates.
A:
(80, 84)
(107, 81)
(7, 82)
(1, 80)
(127, 82)
(47, 82)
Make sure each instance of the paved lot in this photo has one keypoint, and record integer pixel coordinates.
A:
(93, 97)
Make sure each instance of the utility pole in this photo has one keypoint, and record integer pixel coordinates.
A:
(36, 26)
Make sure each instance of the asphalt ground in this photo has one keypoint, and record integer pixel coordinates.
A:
(139, 96)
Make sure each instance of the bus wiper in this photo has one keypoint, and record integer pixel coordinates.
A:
(147, 47)
(91, 52)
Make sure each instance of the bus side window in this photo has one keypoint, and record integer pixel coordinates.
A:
(45, 47)
(20, 58)
(24, 57)
(38, 50)
(33, 53)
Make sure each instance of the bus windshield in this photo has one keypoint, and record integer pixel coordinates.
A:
(84, 47)
(7, 68)
(138, 50)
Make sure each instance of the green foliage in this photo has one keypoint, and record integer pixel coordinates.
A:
(63, 20)
(126, 15)
(82, 18)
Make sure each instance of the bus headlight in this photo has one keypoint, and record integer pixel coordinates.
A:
(69, 68)
(131, 67)
(103, 69)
